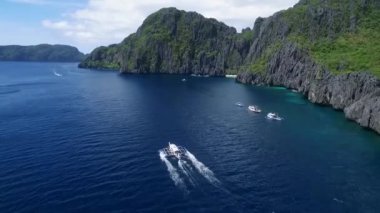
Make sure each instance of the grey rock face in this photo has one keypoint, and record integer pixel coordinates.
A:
(265, 32)
(176, 42)
(366, 111)
(357, 94)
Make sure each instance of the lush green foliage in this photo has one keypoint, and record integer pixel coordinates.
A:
(261, 64)
(335, 45)
(359, 51)
(170, 40)
(342, 35)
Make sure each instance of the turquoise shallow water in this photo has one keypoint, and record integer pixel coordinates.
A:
(90, 141)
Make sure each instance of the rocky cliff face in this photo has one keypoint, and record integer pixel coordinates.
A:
(293, 65)
(329, 50)
(174, 41)
(358, 94)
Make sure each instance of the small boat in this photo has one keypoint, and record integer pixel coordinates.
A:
(174, 151)
(239, 104)
(254, 108)
(183, 79)
(273, 116)
(231, 76)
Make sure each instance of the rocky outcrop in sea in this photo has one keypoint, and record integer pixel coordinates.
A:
(175, 41)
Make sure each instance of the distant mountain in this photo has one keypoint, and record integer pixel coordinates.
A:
(42, 52)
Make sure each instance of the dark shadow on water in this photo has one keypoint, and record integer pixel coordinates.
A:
(8, 91)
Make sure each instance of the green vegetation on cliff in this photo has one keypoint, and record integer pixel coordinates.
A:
(340, 35)
(42, 52)
(343, 35)
(357, 51)
(260, 65)
(175, 41)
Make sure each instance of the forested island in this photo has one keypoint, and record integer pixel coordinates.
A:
(327, 50)
(40, 53)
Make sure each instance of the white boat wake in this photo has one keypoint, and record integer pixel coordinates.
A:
(189, 169)
(57, 74)
(203, 170)
(173, 172)
(182, 165)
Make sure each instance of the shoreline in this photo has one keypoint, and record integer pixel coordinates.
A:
(357, 95)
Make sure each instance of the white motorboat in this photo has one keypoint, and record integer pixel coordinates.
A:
(274, 116)
(254, 108)
(174, 151)
(183, 79)
(239, 104)
(231, 76)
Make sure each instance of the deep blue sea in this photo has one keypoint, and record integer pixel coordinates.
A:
(75, 140)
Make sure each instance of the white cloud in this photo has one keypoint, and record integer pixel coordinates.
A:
(102, 22)
(63, 25)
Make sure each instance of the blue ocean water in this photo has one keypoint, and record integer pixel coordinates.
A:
(74, 140)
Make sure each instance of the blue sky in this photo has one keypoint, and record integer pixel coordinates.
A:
(87, 24)
(20, 21)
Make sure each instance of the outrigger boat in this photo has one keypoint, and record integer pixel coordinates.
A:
(254, 108)
(174, 151)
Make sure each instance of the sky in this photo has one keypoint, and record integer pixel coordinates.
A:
(88, 24)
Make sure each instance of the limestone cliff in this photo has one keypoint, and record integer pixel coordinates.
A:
(318, 48)
(175, 41)
(327, 49)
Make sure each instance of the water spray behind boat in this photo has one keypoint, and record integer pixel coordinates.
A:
(187, 169)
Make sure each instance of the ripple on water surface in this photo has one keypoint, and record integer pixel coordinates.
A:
(88, 142)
